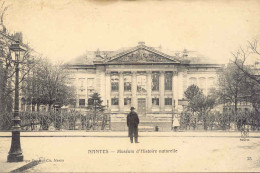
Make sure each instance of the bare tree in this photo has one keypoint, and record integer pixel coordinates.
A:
(242, 58)
(3, 10)
(232, 85)
(247, 60)
(7, 68)
(48, 85)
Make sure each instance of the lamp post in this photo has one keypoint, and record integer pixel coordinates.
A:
(15, 153)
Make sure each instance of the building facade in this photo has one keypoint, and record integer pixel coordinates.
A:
(150, 79)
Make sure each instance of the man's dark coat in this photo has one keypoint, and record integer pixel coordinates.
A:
(132, 123)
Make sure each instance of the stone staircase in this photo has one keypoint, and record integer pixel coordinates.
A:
(146, 123)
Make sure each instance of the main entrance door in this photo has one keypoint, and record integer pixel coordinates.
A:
(141, 108)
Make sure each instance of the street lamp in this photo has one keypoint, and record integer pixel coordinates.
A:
(15, 154)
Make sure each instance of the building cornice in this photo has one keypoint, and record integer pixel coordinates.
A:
(81, 66)
(205, 65)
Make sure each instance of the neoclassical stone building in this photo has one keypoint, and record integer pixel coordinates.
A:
(150, 79)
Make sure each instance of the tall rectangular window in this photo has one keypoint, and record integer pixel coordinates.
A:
(168, 81)
(90, 83)
(168, 101)
(90, 92)
(202, 84)
(155, 81)
(127, 83)
(114, 82)
(141, 83)
(211, 82)
(71, 81)
(81, 81)
(192, 81)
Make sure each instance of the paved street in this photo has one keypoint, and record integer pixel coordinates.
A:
(152, 154)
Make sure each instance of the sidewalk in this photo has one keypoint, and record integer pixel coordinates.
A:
(125, 133)
(54, 141)
(16, 166)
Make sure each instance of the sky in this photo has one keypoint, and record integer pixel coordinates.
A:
(61, 30)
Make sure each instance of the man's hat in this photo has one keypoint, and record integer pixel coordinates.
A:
(132, 108)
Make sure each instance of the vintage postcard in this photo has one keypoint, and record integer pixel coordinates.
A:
(129, 86)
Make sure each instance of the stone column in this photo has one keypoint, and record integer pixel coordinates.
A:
(175, 89)
(108, 89)
(134, 90)
(185, 80)
(149, 90)
(180, 85)
(121, 92)
(103, 85)
(161, 89)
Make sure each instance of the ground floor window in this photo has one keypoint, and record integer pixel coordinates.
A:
(81, 102)
(168, 101)
(90, 101)
(114, 101)
(72, 103)
(127, 101)
(155, 101)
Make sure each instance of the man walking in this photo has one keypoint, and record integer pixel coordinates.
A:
(132, 123)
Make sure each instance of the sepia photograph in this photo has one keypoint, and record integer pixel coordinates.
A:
(129, 86)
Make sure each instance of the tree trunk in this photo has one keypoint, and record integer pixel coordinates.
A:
(103, 123)
(235, 102)
(205, 123)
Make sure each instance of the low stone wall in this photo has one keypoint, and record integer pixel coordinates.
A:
(119, 126)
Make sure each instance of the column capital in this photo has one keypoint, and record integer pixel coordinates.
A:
(162, 72)
(149, 72)
(120, 72)
(134, 72)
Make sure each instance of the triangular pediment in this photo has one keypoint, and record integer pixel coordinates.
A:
(142, 54)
